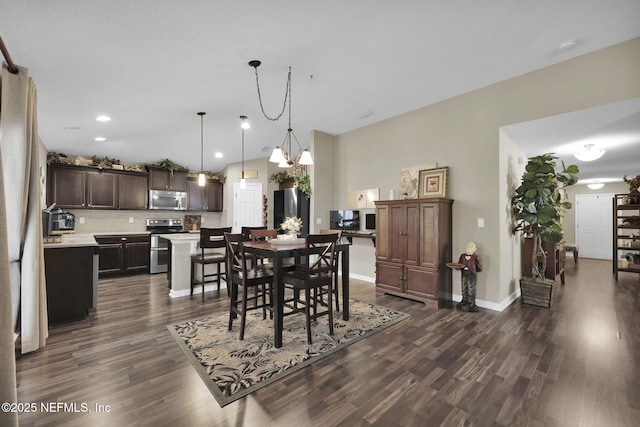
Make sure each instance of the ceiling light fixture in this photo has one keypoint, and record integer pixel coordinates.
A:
(99, 139)
(595, 185)
(589, 154)
(201, 178)
(244, 125)
(282, 154)
(103, 118)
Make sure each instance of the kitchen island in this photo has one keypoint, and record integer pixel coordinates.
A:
(71, 271)
(182, 246)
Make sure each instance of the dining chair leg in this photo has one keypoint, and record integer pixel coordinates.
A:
(243, 316)
(202, 283)
(330, 311)
(193, 267)
(233, 305)
(307, 309)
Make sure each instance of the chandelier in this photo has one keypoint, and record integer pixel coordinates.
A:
(589, 155)
(282, 154)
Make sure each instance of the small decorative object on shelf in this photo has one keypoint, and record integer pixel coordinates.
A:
(626, 231)
(291, 226)
(634, 190)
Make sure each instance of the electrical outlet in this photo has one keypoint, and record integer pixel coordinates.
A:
(480, 222)
(81, 220)
(130, 220)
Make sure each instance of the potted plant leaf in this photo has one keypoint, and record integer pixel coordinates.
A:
(537, 208)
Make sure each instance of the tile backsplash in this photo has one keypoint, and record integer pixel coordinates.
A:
(101, 221)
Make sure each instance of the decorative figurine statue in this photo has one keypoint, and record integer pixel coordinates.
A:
(469, 264)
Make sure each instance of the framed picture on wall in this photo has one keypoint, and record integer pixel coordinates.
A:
(433, 182)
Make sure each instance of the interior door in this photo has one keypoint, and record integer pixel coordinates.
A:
(247, 206)
(594, 228)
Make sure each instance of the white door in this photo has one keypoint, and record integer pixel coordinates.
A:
(247, 206)
(594, 225)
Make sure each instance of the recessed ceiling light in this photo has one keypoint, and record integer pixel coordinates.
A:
(103, 118)
(364, 114)
(99, 139)
(566, 46)
(218, 155)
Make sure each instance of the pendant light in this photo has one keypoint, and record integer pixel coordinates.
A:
(283, 154)
(201, 177)
(244, 125)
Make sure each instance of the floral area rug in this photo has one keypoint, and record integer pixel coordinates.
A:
(232, 368)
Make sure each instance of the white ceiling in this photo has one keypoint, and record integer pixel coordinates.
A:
(153, 64)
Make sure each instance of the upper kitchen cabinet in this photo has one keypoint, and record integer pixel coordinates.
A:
(66, 187)
(74, 187)
(207, 198)
(163, 179)
(134, 192)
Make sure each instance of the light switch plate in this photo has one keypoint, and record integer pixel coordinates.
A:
(81, 220)
(130, 220)
(318, 221)
(480, 222)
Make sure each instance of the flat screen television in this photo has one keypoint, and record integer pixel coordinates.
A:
(344, 220)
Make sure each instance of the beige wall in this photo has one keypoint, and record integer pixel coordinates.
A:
(463, 133)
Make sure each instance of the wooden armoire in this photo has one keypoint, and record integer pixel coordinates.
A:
(413, 246)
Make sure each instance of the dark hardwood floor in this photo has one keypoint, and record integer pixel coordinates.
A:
(576, 364)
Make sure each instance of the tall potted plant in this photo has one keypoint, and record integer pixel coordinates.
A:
(537, 208)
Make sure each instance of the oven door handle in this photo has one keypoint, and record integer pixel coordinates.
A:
(159, 249)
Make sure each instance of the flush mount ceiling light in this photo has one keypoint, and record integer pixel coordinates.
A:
(282, 154)
(99, 139)
(201, 178)
(103, 118)
(595, 185)
(244, 125)
(589, 154)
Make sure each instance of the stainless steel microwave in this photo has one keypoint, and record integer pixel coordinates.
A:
(169, 200)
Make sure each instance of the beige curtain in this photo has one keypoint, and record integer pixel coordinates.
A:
(7, 352)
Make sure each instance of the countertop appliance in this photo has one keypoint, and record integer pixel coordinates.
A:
(159, 262)
(55, 221)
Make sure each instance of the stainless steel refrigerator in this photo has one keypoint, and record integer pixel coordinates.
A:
(291, 202)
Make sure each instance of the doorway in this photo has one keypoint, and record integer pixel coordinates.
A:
(594, 225)
(247, 206)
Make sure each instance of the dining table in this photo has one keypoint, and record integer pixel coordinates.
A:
(278, 251)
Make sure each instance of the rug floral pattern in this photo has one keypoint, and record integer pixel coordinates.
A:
(232, 368)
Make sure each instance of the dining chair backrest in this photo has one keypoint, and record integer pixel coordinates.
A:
(213, 238)
(263, 234)
(236, 258)
(246, 230)
(320, 253)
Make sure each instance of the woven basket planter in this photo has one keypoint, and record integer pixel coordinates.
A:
(538, 292)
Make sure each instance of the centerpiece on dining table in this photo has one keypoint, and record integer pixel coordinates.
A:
(291, 226)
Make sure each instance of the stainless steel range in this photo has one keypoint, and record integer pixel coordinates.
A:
(160, 247)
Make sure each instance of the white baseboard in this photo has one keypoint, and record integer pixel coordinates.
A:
(501, 306)
(187, 292)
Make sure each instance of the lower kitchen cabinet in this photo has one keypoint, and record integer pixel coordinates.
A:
(71, 282)
(122, 255)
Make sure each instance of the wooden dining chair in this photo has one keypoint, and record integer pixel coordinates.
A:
(311, 276)
(251, 285)
(335, 268)
(211, 251)
(262, 234)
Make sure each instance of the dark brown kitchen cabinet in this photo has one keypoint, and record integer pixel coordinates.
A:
(122, 255)
(70, 282)
(133, 192)
(413, 245)
(77, 187)
(162, 179)
(66, 187)
(207, 198)
(102, 190)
